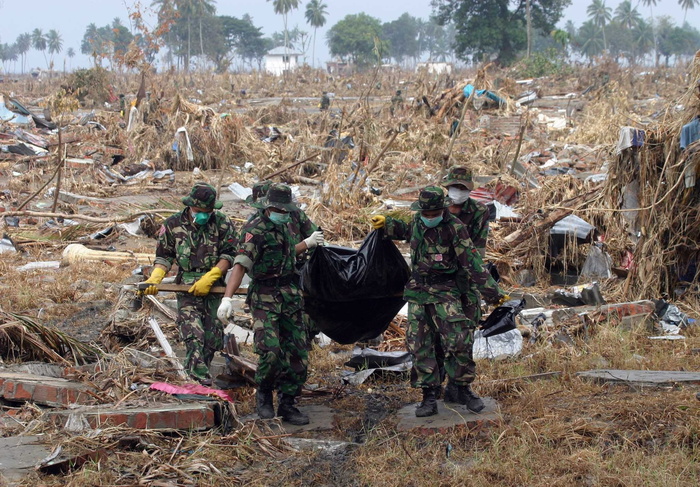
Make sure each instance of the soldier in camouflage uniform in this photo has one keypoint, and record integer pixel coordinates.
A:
(267, 252)
(202, 242)
(440, 251)
(475, 216)
(300, 227)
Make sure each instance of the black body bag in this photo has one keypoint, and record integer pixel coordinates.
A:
(353, 295)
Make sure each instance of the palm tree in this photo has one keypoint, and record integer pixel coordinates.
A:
(687, 5)
(627, 15)
(589, 39)
(70, 52)
(283, 7)
(24, 43)
(316, 17)
(643, 38)
(55, 43)
(600, 15)
(39, 43)
(651, 4)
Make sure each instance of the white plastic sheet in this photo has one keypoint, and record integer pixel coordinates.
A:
(498, 347)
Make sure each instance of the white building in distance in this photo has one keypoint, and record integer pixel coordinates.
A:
(281, 59)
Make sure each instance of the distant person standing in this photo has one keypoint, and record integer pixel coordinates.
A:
(396, 103)
(325, 102)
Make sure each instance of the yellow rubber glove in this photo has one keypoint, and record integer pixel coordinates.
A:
(504, 299)
(157, 275)
(378, 221)
(204, 284)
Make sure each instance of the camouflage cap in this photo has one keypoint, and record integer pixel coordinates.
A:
(278, 196)
(459, 176)
(259, 191)
(203, 195)
(431, 198)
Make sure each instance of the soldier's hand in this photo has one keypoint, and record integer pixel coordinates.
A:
(225, 310)
(157, 275)
(504, 299)
(314, 240)
(378, 221)
(204, 284)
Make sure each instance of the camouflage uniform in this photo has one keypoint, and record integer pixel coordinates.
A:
(475, 217)
(436, 320)
(300, 227)
(196, 249)
(267, 252)
(396, 102)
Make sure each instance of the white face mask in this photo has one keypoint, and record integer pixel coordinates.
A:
(457, 194)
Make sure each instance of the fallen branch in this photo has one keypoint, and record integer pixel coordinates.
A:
(91, 219)
(292, 166)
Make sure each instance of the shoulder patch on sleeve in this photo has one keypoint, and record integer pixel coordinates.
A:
(161, 231)
(248, 237)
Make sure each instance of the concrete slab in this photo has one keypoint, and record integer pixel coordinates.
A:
(19, 455)
(642, 378)
(320, 419)
(449, 416)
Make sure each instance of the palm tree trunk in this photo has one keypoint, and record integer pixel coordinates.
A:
(189, 46)
(285, 60)
(529, 27)
(201, 43)
(313, 51)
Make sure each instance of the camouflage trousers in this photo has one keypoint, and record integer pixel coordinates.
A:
(311, 330)
(440, 338)
(471, 306)
(281, 343)
(201, 331)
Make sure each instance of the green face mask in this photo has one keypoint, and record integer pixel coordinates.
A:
(431, 222)
(201, 218)
(279, 218)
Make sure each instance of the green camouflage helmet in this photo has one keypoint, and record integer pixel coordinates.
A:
(431, 198)
(203, 195)
(259, 191)
(459, 176)
(278, 196)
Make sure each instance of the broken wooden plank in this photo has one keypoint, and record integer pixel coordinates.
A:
(642, 378)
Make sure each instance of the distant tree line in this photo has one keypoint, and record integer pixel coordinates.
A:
(503, 31)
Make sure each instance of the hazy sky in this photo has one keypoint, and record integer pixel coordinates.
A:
(70, 17)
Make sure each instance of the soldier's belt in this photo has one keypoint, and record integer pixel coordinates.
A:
(275, 281)
(434, 279)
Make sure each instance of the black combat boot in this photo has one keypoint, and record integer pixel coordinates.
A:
(263, 403)
(289, 413)
(470, 399)
(429, 405)
(451, 392)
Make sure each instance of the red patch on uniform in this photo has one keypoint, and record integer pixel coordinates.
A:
(437, 257)
(248, 237)
(162, 230)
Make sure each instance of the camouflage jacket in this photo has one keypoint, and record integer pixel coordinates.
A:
(194, 248)
(438, 255)
(475, 217)
(266, 250)
(300, 226)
